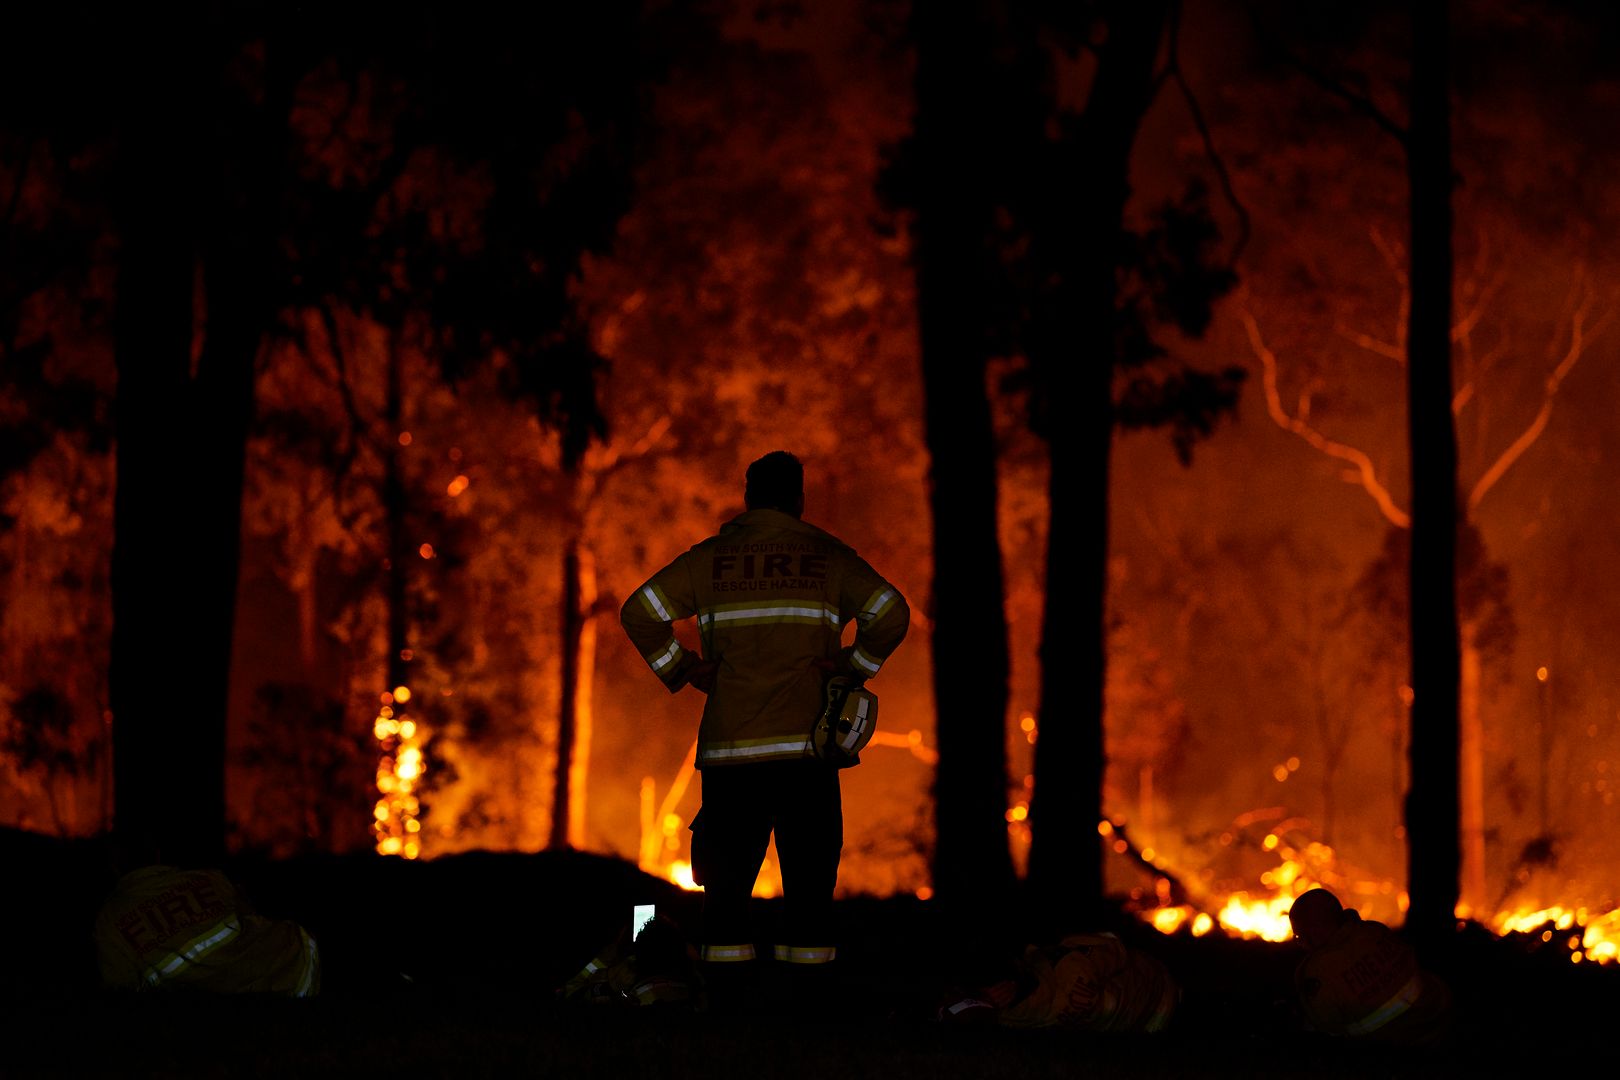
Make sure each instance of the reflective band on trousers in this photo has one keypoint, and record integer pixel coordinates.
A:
(653, 991)
(726, 954)
(968, 1003)
(1390, 1009)
(800, 954)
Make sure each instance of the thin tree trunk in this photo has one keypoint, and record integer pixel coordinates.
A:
(396, 592)
(573, 622)
(399, 539)
(585, 685)
(1471, 755)
(1432, 801)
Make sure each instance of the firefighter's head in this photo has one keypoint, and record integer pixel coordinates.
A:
(775, 482)
(1315, 915)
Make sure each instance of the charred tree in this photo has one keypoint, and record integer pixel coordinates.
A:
(1432, 800)
(1483, 621)
(1073, 331)
(947, 178)
(198, 188)
(152, 343)
(1097, 291)
(574, 700)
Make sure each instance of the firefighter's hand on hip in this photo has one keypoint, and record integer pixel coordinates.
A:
(702, 674)
(833, 666)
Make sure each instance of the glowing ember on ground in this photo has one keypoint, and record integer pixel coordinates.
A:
(396, 823)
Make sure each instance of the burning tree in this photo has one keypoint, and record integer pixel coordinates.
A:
(1486, 340)
(1100, 287)
(950, 174)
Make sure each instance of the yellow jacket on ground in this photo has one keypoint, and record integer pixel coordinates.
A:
(1365, 981)
(165, 928)
(772, 596)
(1093, 982)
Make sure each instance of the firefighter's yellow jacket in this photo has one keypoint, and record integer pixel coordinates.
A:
(657, 969)
(772, 595)
(1365, 981)
(1093, 982)
(166, 928)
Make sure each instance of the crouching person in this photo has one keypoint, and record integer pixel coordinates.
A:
(656, 967)
(1359, 979)
(164, 928)
(1090, 982)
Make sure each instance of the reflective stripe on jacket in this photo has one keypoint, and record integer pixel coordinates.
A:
(164, 927)
(772, 595)
(1365, 981)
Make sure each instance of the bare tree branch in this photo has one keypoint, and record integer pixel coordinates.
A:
(1378, 348)
(1391, 253)
(1363, 472)
(609, 459)
(1472, 368)
(1480, 305)
(1580, 337)
(1173, 71)
(1357, 101)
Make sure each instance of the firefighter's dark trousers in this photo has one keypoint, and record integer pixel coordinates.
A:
(742, 805)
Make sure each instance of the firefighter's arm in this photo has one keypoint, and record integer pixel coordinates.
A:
(882, 618)
(649, 615)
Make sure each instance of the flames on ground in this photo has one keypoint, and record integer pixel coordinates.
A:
(1172, 903)
(1587, 934)
(397, 825)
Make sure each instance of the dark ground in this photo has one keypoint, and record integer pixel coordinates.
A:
(447, 968)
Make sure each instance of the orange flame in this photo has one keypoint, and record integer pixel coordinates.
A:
(1590, 936)
(396, 815)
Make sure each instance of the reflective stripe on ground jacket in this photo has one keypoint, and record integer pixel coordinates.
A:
(1389, 1010)
(771, 595)
(165, 927)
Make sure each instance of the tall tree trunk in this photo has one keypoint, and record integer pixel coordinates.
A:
(1074, 333)
(1471, 782)
(1432, 800)
(395, 516)
(972, 869)
(155, 769)
(579, 769)
(182, 430)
